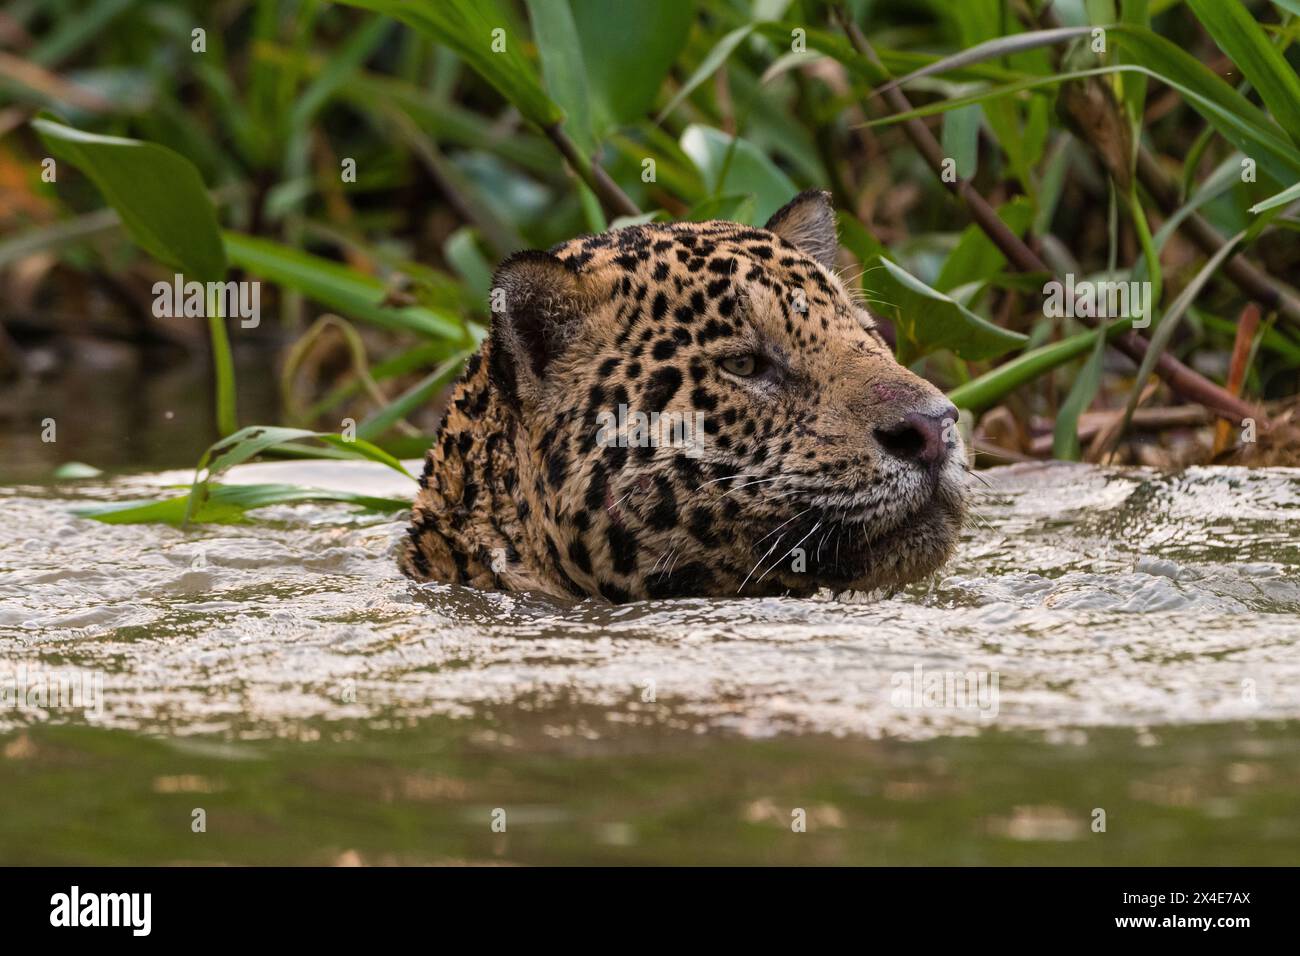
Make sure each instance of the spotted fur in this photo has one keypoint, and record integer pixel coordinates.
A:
(819, 469)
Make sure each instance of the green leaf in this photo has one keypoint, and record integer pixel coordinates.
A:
(736, 166)
(1239, 35)
(1284, 198)
(628, 47)
(562, 66)
(467, 26)
(1224, 176)
(342, 289)
(227, 504)
(245, 444)
(926, 319)
(158, 193)
(463, 254)
(1065, 437)
(250, 442)
(855, 237)
(717, 56)
(961, 139)
(991, 387)
(975, 257)
(162, 202)
(622, 222)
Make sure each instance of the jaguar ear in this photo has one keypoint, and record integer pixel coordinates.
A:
(807, 222)
(537, 302)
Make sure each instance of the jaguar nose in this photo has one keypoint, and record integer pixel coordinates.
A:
(922, 437)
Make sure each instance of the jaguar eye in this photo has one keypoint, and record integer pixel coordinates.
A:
(742, 366)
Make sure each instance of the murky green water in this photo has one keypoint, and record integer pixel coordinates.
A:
(1117, 646)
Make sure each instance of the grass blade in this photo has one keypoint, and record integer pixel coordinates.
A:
(991, 387)
(989, 50)
(1239, 35)
(227, 504)
(342, 289)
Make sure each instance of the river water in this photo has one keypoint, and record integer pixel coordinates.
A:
(1107, 672)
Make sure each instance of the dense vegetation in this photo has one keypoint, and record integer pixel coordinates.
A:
(369, 162)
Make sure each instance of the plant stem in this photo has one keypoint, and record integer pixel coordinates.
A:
(590, 173)
(223, 367)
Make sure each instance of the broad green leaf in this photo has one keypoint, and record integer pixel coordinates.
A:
(463, 254)
(730, 166)
(562, 66)
(991, 387)
(855, 237)
(1134, 85)
(158, 194)
(338, 287)
(473, 28)
(975, 257)
(961, 139)
(227, 504)
(1239, 35)
(250, 442)
(1236, 118)
(926, 320)
(628, 47)
(162, 202)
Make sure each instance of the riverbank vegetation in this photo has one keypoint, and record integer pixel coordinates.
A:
(1078, 218)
